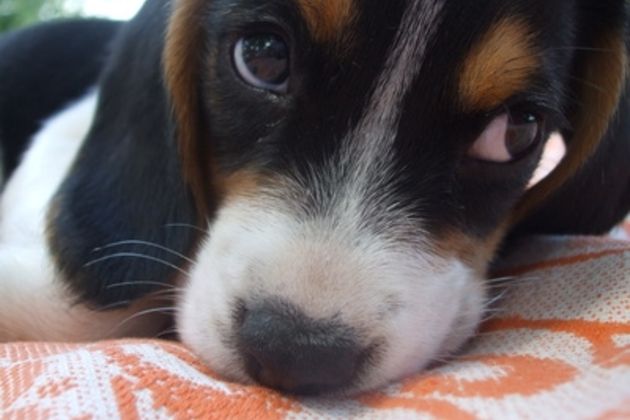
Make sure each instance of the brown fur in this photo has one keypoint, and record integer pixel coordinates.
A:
(327, 19)
(500, 65)
(182, 72)
(474, 251)
(240, 183)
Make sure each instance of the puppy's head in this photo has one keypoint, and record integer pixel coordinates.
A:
(366, 159)
(353, 164)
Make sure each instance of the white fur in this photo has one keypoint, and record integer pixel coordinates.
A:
(35, 304)
(379, 124)
(363, 260)
(421, 306)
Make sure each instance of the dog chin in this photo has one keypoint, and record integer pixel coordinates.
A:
(406, 307)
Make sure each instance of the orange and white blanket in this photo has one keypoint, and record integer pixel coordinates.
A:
(558, 348)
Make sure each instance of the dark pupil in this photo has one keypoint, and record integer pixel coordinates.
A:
(522, 134)
(267, 57)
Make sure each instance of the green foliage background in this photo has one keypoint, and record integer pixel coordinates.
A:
(16, 13)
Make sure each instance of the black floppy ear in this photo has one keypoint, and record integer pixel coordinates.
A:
(124, 219)
(590, 191)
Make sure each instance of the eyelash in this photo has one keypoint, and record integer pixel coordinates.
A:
(537, 104)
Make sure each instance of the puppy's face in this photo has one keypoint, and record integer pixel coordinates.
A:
(366, 157)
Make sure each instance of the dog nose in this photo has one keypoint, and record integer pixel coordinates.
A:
(285, 350)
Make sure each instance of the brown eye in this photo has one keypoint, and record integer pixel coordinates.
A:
(524, 131)
(262, 60)
(508, 137)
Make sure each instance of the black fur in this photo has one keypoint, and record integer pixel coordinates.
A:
(42, 69)
(127, 183)
(598, 196)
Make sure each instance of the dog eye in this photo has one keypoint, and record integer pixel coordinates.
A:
(508, 137)
(262, 60)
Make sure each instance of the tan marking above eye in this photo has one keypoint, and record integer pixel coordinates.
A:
(500, 65)
(327, 19)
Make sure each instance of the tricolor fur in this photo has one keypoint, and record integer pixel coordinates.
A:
(330, 235)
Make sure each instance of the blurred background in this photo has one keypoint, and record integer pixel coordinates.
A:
(16, 13)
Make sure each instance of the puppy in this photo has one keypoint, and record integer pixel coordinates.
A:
(315, 189)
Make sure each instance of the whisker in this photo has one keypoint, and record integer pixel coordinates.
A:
(168, 332)
(174, 291)
(145, 243)
(500, 280)
(114, 306)
(495, 299)
(511, 281)
(489, 317)
(588, 83)
(136, 255)
(494, 310)
(186, 225)
(162, 310)
(441, 361)
(141, 283)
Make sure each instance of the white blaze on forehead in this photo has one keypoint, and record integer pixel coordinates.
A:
(375, 132)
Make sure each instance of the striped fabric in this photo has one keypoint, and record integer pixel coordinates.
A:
(558, 347)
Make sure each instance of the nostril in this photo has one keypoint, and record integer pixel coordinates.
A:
(285, 350)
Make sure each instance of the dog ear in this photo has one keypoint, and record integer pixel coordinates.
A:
(589, 192)
(125, 218)
(182, 66)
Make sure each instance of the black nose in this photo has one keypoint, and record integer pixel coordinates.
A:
(286, 350)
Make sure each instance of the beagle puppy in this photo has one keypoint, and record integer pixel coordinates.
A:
(313, 190)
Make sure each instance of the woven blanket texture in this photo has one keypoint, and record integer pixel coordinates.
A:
(558, 348)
